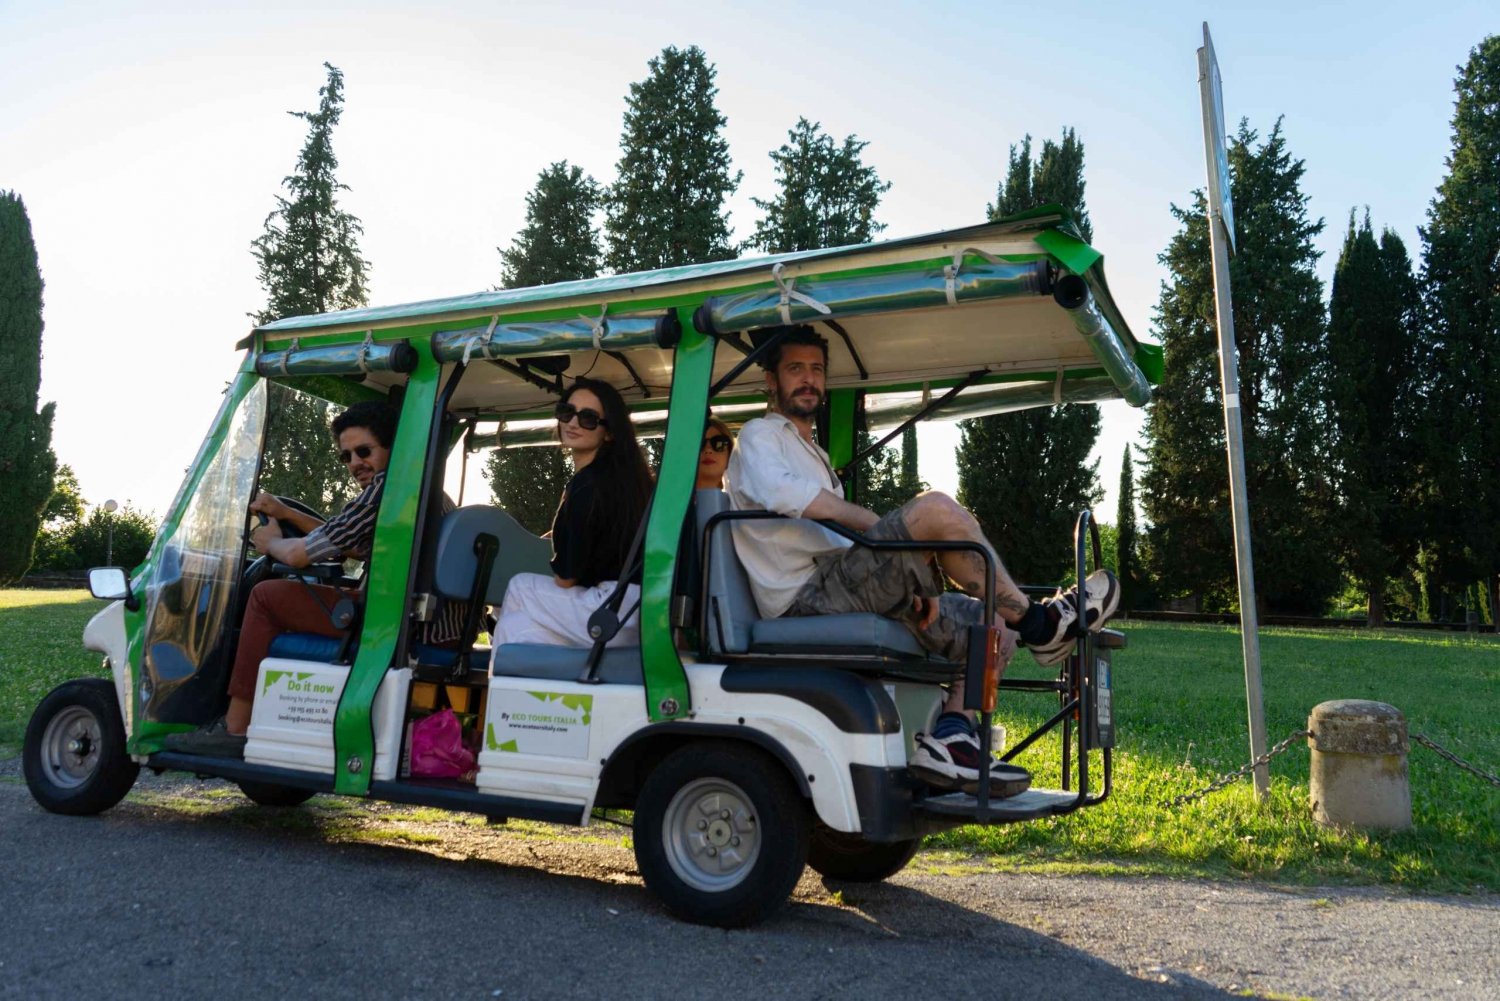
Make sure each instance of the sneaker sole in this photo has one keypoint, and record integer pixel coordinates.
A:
(1109, 604)
(1001, 788)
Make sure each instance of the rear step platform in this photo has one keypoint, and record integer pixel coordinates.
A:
(1033, 804)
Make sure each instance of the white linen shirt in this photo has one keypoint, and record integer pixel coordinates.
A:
(773, 468)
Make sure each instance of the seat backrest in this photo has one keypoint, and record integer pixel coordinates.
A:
(456, 563)
(731, 604)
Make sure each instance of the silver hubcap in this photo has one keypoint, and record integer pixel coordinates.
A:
(70, 748)
(711, 834)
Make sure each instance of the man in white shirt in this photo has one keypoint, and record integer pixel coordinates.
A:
(801, 568)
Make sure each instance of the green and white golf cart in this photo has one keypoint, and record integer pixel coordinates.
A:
(746, 747)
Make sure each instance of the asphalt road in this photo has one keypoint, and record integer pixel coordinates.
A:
(186, 890)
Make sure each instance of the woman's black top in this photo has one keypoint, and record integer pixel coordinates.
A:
(583, 547)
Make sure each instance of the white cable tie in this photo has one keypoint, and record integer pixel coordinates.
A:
(598, 327)
(788, 289)
(951, 271)
(482, 341)
(1232, 401)
(364, 352)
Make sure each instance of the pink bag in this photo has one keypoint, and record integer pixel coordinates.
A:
(437, 748)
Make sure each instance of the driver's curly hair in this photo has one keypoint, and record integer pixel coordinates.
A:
(376, 416)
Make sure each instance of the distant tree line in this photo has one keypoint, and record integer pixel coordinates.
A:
(1371, 418)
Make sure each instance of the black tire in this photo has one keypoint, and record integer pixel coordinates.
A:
(270, 794)
(681, 862)
(851, 858)
(74, 755)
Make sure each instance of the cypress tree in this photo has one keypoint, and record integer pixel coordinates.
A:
(1025, 475)
(1125, 533)
(666, 206)
(1372, 388)
(1461, 282)
(309, 263)
(1281, 339)
(827, 195)
(558, 243)
(27, 465)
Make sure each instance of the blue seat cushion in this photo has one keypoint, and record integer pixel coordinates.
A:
(323, 649)
(619, 665)
(855, 634)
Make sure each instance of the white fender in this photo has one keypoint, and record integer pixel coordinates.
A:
(105, 633)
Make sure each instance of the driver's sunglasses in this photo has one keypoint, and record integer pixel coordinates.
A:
(719, 443)
(588, 419)
(363, 451)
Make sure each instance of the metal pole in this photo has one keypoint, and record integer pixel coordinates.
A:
(109, 538)
(1213, 139)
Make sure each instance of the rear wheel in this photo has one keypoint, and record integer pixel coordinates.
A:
(268, 794)
(74, 755)
(850, 857)
(721, 834)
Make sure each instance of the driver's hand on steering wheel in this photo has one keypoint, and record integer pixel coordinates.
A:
(263, 535)
(269, 505)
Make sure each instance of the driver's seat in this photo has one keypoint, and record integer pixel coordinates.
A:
(479, 550)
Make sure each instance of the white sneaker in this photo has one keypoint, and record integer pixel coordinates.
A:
(1103, 594)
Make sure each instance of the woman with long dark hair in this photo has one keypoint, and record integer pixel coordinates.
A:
(601, 508)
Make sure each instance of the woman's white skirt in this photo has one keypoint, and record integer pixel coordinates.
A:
(536, 610)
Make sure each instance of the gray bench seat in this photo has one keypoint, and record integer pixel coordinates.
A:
(619, 665)
(854, 634)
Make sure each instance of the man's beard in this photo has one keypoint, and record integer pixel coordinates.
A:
(789, 405)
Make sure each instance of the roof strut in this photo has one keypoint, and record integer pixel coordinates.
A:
(620, 357)
(756, 354)
(922, 414)
(838, 328)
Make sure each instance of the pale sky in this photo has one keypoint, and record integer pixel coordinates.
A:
(149, 141)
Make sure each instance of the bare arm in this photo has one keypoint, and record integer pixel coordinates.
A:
(830, 506)
(267, 539)
(270, 506)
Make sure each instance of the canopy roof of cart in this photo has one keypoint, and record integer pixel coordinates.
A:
(1018, 306)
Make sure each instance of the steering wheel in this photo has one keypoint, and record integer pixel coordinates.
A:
(260, 568)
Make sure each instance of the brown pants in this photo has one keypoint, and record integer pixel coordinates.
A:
(276, 607)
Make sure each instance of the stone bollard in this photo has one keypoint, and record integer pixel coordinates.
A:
(1358, 772)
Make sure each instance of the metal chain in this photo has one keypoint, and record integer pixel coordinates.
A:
(1443, 752)
(1228, 777)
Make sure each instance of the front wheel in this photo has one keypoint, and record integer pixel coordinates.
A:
(850, 857)
(720, 834)
(74, 755)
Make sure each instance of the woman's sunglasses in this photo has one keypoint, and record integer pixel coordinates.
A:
(719, 443)
(363, 451)
(588, 419)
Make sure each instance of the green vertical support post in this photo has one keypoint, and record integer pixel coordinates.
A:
(385, 601)
(841, 409)
(667, 695)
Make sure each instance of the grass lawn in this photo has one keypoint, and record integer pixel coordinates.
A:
(1179, 702)
(41, 646)
(1180, 708)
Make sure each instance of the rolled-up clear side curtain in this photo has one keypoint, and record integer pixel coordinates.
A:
(513, 340)
(337, 359)
(883, 411)
(1074, 295)
(803, 300)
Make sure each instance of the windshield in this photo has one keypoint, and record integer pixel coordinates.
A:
(197, 574)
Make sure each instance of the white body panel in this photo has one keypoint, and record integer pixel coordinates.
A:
(548, 739)
(105, 634)
(291, 723)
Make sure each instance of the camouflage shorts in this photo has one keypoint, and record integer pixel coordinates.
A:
(858, 579)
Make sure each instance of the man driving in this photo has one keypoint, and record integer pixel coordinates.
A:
(364, 434)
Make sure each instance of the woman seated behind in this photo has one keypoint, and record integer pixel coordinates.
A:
(601, 508)
(713, 455)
